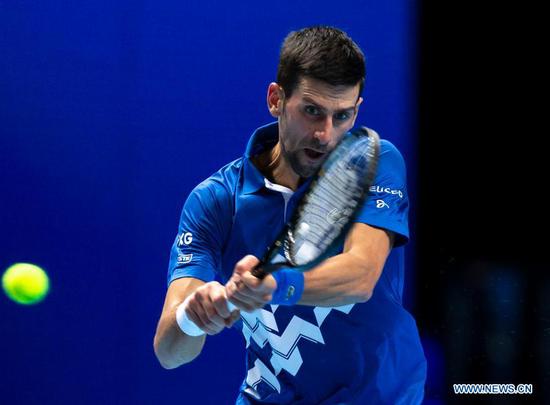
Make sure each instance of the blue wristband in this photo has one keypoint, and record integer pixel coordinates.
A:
(290, 287)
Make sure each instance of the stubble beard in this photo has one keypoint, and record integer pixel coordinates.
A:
(293, 159)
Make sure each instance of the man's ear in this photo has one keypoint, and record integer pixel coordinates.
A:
(356, 112)
(275, 99)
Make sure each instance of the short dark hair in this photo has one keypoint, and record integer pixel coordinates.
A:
(323, 53)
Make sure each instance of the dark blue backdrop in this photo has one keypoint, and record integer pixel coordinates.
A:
(110, 112)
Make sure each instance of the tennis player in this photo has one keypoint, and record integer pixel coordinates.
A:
(337, 334)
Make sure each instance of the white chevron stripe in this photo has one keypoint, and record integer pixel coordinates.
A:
(258, 325)
(284, 345)
(259, 373)
(292, 364)
(322, 312)
(260, 316)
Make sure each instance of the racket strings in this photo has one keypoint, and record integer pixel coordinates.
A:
(332, 201)
(326, 211)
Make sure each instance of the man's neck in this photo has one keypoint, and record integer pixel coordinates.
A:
(275, 168)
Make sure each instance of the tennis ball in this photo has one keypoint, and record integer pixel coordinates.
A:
(25, 283)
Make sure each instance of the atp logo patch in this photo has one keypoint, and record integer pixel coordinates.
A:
(183, 259)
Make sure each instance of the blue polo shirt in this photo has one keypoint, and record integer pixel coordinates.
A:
(364, 353)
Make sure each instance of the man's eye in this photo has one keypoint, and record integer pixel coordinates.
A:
(342, 116)
(312, 110)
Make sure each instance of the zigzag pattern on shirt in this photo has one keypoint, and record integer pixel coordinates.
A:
(259, 373)
(322, 312)
(297, 328)
(291, 365)
(285, 355)
(252, 322)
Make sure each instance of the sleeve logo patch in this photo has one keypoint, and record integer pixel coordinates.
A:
(183, 259)
(185, 239)
(386, 190)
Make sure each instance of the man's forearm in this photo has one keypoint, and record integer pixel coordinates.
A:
(349, 277)
(173, 347)
(340, 280)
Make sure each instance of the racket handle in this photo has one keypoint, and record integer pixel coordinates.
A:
(187, 325)
(262, 270)
(258, 272)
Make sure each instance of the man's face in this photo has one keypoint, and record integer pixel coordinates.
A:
(313, 120)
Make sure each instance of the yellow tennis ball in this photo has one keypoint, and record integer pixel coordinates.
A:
(25, 283)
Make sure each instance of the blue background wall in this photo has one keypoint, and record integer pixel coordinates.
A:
(110, 113)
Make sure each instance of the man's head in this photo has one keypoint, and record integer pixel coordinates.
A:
(317, 95)
(323, 53)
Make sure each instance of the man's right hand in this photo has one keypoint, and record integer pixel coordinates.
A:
(207, 308)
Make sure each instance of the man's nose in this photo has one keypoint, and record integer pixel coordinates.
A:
(323, 132)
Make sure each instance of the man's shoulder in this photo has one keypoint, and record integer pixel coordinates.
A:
(390, 150)
(389, 153)
(222, 184)
(390, 156)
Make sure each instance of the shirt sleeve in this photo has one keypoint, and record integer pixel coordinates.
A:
(196, 251)
(387, 204)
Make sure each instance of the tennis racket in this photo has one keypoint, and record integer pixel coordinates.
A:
(325, 213)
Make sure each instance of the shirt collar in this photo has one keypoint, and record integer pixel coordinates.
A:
(263, 138)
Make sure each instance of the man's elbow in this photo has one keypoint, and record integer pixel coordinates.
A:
(364, 295)
(162, 358)
(167, 365)
(365, 289)
(165, 361)
(168, 360)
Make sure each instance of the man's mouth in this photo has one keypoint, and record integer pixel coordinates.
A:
(313, 154)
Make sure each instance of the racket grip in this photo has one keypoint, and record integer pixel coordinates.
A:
(258, 272)
(262, 270)
(187, 325)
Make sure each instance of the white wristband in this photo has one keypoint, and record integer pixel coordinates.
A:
(187, 325)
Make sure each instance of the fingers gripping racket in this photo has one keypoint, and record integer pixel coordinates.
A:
(326, 211)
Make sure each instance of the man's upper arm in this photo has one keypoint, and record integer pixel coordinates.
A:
(382, 223)
(387, 205)
(370, 245)
(196, 251)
